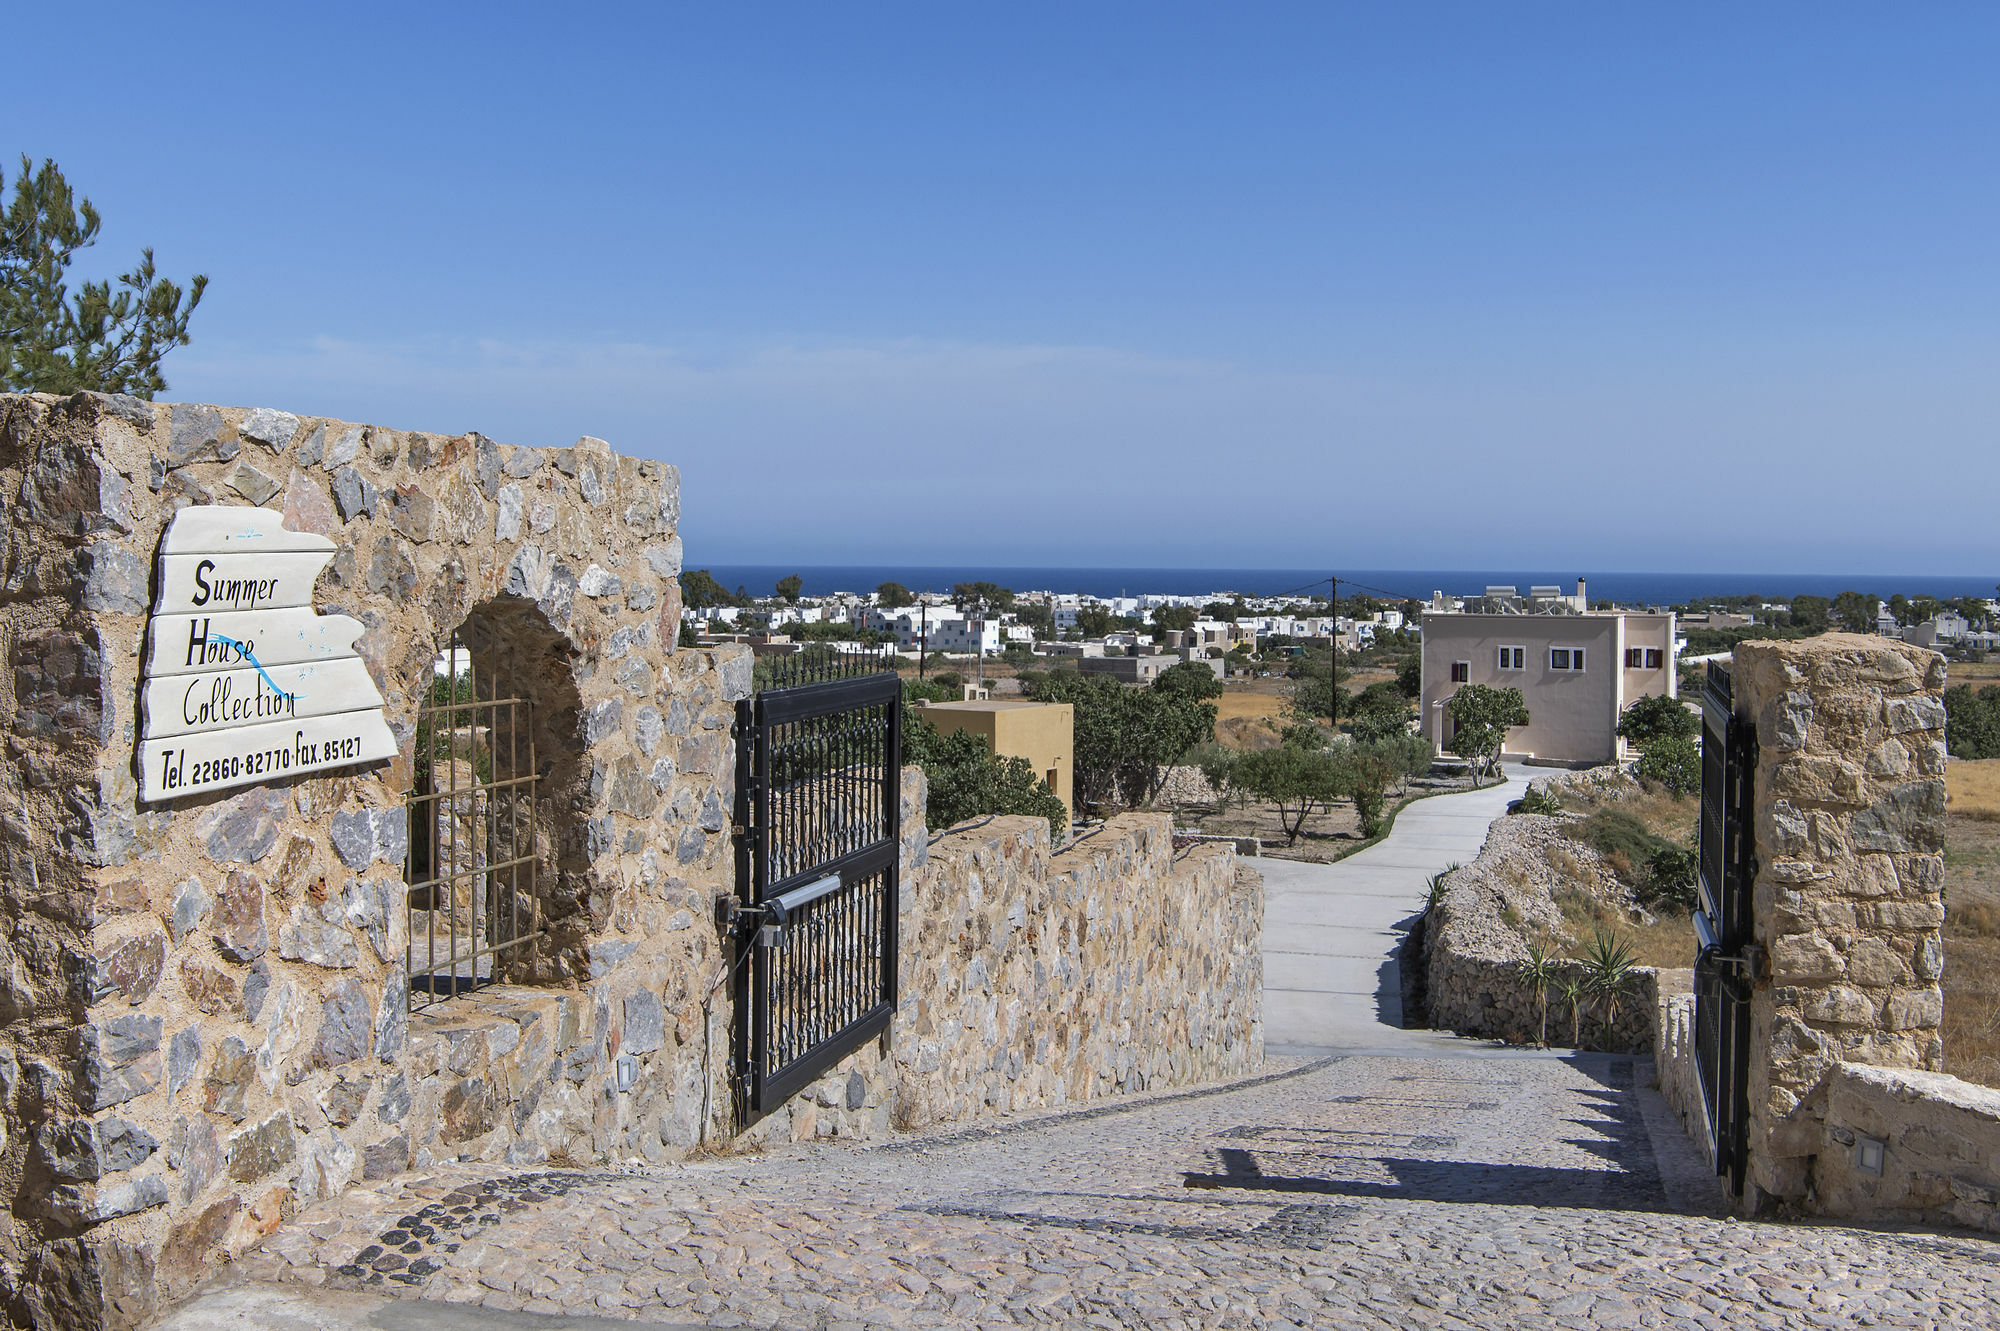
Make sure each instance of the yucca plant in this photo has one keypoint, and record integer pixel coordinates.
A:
(1570, 988)
(1608, 962)
(1541, 970)
(1438, 881)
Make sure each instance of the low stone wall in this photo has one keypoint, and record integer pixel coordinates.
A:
(1939, 1144)
(1938, 1137)
(1035, 977)
(1674, 1064)
(1474, 945)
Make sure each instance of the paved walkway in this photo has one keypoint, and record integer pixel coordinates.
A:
(1331, 981)
(1423, 1183)
(1376, 1192)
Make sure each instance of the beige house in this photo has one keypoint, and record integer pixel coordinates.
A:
(1042, 732)
(1577, 672)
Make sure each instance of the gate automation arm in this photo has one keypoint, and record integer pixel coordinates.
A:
(769, 918)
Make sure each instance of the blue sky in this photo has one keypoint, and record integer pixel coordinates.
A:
(1612, 287)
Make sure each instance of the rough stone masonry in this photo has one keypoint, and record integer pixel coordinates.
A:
(1849, 896)
(205, 1015)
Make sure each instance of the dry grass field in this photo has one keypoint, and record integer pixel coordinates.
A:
(1973, 672)
(1972, 922)
(1250, 713)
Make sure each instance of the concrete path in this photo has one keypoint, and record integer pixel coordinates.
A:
(1331, 981)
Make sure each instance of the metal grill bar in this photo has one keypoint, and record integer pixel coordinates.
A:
(819, 764)
(473, 854)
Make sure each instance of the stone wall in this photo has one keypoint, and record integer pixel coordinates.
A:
(1035, 978)
(1939, 1143)
(204, 1012)
(1475, 942)
(1674, 1066)
(205, 1005)
(1848, 902)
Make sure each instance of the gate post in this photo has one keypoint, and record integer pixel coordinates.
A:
(1849, 890)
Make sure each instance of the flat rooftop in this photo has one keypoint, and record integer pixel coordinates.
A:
(989, 705)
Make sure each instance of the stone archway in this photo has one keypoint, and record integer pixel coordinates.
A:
(495, 870)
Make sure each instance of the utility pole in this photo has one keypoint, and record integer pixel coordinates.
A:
(923, 630)
(1333, 654)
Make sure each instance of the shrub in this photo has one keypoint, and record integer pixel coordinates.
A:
(1671, 874)
(1539, 799)
(1625, 842)
(1972, 721)
(1672, 762)
(1657, 717)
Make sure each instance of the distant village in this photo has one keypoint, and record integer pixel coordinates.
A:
(1242, 632)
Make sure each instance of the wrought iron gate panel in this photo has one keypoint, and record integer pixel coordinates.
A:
(1725, 969)
(819, 829)
(471, 904)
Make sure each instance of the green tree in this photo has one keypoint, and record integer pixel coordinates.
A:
(1855, 611)
(1656, 717)
(1093, 621)
(893, 596)
(1039, 618)
(686, 637)
(788, 588)
(1125, 740)
(1811, 614)
(1481, 716)
(1380, 712)
(700, 591)
(1672, 760)
(1541, 970)
(992, 596)
(1174, 618)
(1315, 694)
(1608, 971)
(1218, 767)
(1972, 721)
(100, 339)
(1299, 779)
(1365, 774)
(1410, 676)
(1406, 753)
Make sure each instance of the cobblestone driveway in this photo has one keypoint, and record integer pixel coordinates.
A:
(1356, 1192)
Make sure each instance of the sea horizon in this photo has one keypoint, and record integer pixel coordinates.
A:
(1654, 588)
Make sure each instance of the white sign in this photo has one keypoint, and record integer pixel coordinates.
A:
(215, 761)
(182, 644)
(218, 699)
(243, 682)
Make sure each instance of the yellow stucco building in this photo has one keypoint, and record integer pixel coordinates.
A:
(1042, 732)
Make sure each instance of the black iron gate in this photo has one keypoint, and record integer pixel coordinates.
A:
(1725, 969)
(818, 828)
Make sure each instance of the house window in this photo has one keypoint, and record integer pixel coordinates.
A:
(1513, 658)
(1461, 672)
(1655, 657)
(1635, 658)
(1565, 658)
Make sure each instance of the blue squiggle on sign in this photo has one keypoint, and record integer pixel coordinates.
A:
(251, 657)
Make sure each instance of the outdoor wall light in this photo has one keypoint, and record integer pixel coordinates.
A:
(628, 1073)
(1869, 1153)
